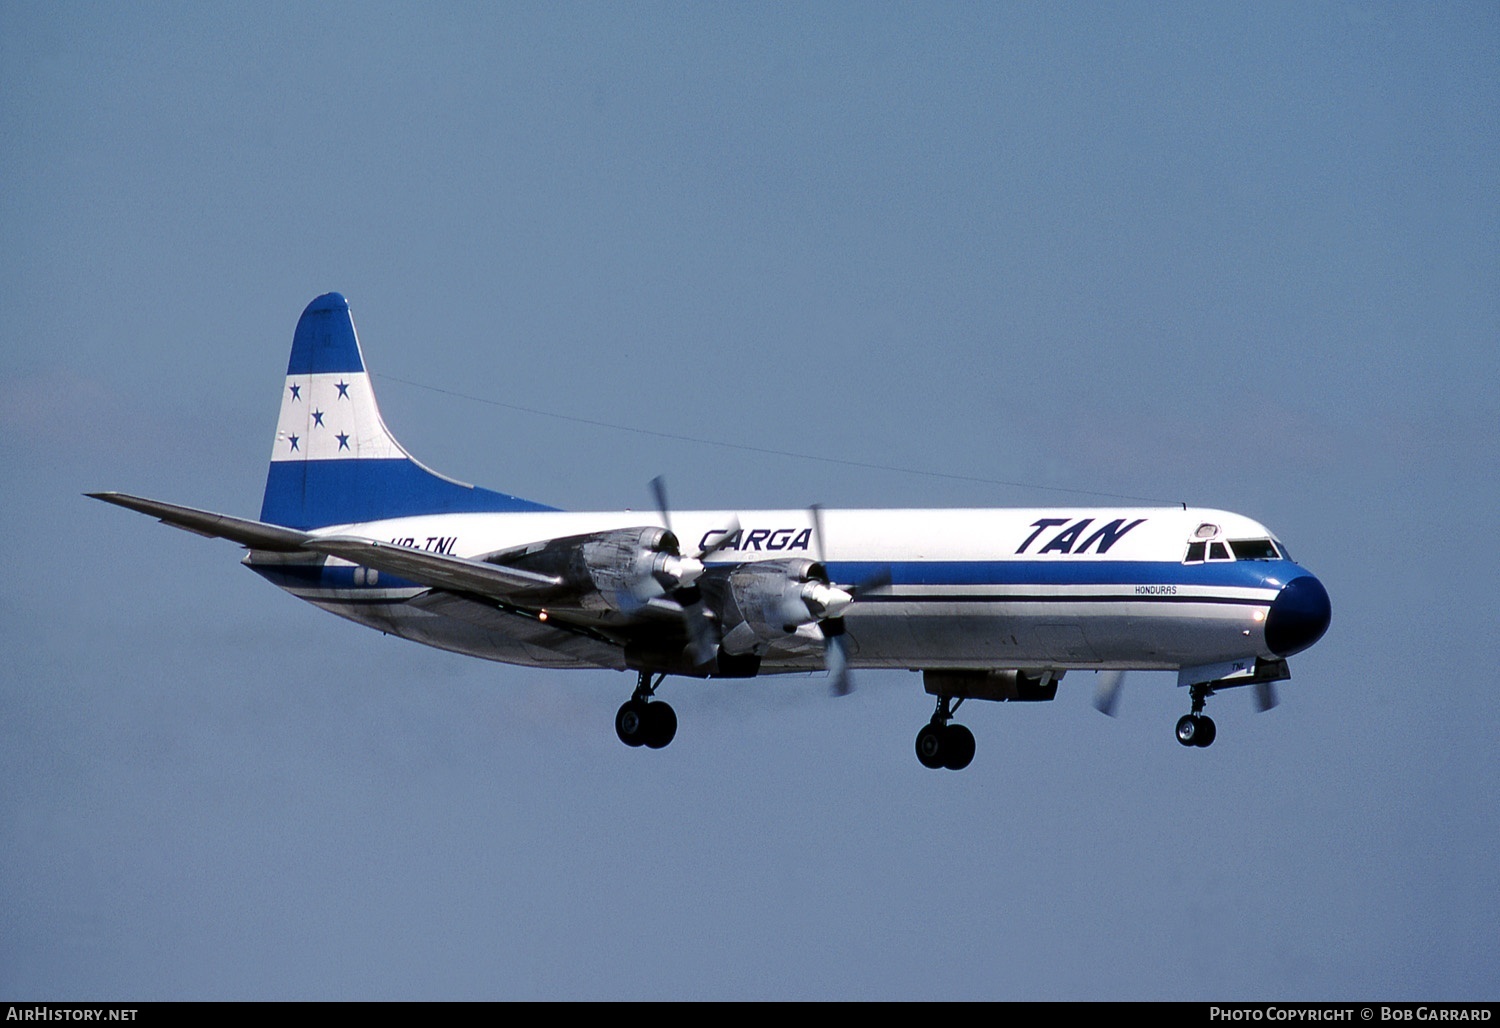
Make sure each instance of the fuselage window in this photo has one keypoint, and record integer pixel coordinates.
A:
(1253, 549)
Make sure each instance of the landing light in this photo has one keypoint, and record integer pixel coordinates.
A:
(1260, 615)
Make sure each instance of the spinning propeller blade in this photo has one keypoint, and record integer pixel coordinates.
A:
(835, 647)
(701, 641)
(1107, 692)
(837, 659)
(659, 490)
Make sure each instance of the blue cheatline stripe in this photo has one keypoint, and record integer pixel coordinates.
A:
(324, 341)
(320, 576)
(1005, 598)
(315, 493)
(1257, 574)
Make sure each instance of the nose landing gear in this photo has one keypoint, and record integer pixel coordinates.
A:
(1197, 728)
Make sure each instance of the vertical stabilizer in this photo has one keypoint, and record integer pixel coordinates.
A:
(334, 462)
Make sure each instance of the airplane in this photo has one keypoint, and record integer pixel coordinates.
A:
(989, 604)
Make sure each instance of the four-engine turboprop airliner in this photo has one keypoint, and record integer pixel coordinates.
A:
(987, 604)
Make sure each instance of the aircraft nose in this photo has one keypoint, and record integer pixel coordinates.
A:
(1298, 616)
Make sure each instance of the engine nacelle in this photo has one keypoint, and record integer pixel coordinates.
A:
(630, 566)
(618, 570)
(768, 600)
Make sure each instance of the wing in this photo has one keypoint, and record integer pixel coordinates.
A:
(435, 570)
(588, 598)
(255, 534)
(439, 570)
(612, 598)
(583, 597)
(577, 646)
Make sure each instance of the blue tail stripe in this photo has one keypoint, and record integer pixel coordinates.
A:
(324, 342)
(316, 493)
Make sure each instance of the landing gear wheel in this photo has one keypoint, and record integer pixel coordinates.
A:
(632, 721)
(930, 746)
(940, 744)
(958, 747)
(949, 746)
(1196, 730)
(640, 722)
(661, 724)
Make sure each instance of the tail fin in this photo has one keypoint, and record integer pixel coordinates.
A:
(334, 461)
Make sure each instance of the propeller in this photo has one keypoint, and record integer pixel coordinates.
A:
(879, 580)
(1265, 696)
(701, 641)
(659, 490)
(1107, 691)
(723, 536)
(835, 648)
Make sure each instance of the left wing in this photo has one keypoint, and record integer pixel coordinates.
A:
(434, 570)
(438, 570)
(254, 534)
(584, 596)
(596, 597)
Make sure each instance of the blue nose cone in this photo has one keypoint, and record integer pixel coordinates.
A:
(1298, 617)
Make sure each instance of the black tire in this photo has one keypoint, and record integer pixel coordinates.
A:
(631, 723)
(958, 748)
(1187, 730)
(661, 724)
(931, 744)
(1206, 731)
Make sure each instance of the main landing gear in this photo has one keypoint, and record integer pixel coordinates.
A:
(940, 744)
(641, 722)
(1197, 728)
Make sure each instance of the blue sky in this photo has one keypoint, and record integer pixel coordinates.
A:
(1243, 257)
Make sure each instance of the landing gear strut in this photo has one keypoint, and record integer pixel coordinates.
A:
(640, 722)
(1197, 728)
(940, 744)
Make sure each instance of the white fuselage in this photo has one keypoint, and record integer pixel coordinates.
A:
(972, 589)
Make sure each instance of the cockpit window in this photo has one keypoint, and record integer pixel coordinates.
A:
(1201, 549)
(1253, 549)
